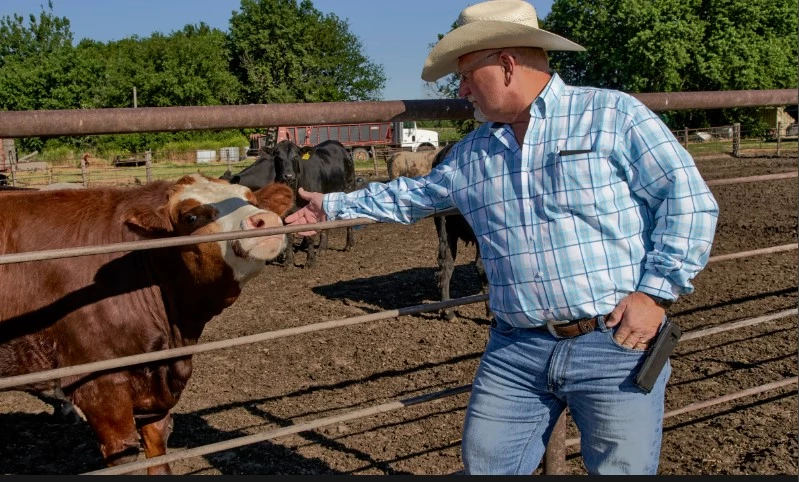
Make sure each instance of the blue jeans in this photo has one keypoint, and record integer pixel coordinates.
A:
(526, 379)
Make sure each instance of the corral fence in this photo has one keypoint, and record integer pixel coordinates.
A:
(718, 140)
(106, 121)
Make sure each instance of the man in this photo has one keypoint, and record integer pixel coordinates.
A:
(591, 220)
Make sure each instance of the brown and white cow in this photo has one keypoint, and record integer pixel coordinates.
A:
(70, 311)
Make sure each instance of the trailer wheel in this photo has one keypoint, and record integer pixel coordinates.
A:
(360, 154)
(425, 147)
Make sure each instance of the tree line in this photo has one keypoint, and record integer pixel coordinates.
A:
(287, 51)
(276, 51)
(641, 46)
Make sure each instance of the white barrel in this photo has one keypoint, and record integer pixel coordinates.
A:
(205, 156)
(229, 154)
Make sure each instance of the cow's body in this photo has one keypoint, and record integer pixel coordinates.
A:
(411, 164)
(69, 311)
(450, 229)
(326, 167)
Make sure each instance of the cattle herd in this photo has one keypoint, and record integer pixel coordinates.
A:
(105, 306)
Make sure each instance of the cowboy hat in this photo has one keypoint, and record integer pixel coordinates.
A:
(493, 24)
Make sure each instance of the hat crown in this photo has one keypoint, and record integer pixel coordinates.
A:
(510, 11)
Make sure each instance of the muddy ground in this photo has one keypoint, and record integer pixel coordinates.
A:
(262, 387)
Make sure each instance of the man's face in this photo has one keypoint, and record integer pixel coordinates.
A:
(480, 79)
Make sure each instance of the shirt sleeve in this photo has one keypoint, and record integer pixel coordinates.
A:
(685, 212)
(402, 200)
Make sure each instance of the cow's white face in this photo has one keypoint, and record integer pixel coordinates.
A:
(215, 206)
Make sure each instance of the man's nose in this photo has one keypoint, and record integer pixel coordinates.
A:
(463, 90)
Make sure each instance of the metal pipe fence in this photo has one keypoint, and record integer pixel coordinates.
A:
(173, 119)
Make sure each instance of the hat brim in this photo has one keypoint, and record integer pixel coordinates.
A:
(443, 58)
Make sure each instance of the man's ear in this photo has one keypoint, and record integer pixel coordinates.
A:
(275, 197)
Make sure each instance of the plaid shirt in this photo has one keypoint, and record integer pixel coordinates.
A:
(599, 201)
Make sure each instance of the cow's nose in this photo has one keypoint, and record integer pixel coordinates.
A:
(266, 219)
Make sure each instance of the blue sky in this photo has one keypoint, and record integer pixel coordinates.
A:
(396, 34)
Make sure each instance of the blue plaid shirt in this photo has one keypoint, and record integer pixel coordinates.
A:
(599, 201)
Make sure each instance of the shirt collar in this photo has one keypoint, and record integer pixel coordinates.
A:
(538, 109)
(548, 97)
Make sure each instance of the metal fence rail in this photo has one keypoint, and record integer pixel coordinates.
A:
(79, 122)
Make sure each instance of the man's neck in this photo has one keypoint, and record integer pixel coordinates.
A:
(533, 83)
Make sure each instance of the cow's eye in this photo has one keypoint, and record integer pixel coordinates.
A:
(190, 219)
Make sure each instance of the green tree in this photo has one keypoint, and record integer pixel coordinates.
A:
(679, 45)
(43, 35)
(284, 51)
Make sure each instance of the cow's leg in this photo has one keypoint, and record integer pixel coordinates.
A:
(323, 244)
(446, 262)
(350, 239)
(311, 259)
(481, 272)
(109, 412)
(63, 409)
(154, 435)
(288, 253)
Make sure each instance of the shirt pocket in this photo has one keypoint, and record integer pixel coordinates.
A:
(577, 171)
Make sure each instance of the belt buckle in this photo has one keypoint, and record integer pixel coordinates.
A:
(551, 328)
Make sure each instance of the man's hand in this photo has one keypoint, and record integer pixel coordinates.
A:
(639, 318)
(311, 213)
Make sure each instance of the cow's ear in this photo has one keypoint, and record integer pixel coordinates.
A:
(149, 220)
(275, 197)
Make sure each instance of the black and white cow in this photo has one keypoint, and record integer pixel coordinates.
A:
(326, 167)
(272, 164)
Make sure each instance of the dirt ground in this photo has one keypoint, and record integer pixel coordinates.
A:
(291, 380)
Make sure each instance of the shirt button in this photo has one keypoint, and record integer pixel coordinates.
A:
(539, 275)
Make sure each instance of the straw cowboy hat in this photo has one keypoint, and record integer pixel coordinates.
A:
(493, 24)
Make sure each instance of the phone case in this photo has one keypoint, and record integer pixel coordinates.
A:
(664, 344)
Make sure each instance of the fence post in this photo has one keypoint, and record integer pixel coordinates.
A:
(555, 455)
(685, 138)
(14, 175)
(83, 174)
(374, 157)
(148, 174)
(736, 139)
(779, 139)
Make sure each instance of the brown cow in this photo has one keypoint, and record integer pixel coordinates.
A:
(411, 164)
(70, 311)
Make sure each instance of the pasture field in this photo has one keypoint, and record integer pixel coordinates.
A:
(269, 385)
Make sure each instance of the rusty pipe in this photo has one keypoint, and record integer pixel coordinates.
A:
(76, 122)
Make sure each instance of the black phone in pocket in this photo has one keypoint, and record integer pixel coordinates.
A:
(659, 352)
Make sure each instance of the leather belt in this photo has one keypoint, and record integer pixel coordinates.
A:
(572, 328)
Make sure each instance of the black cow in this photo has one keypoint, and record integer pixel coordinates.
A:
(450, 229)
(326, 167)
(275, 164)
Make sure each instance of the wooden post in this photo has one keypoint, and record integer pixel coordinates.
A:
(14, 175)
(555, 455)
(374, 157)
(135, 101)
(736, 139)
(83, 173)
(779, 139)
(685, 137)
(148, 174)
